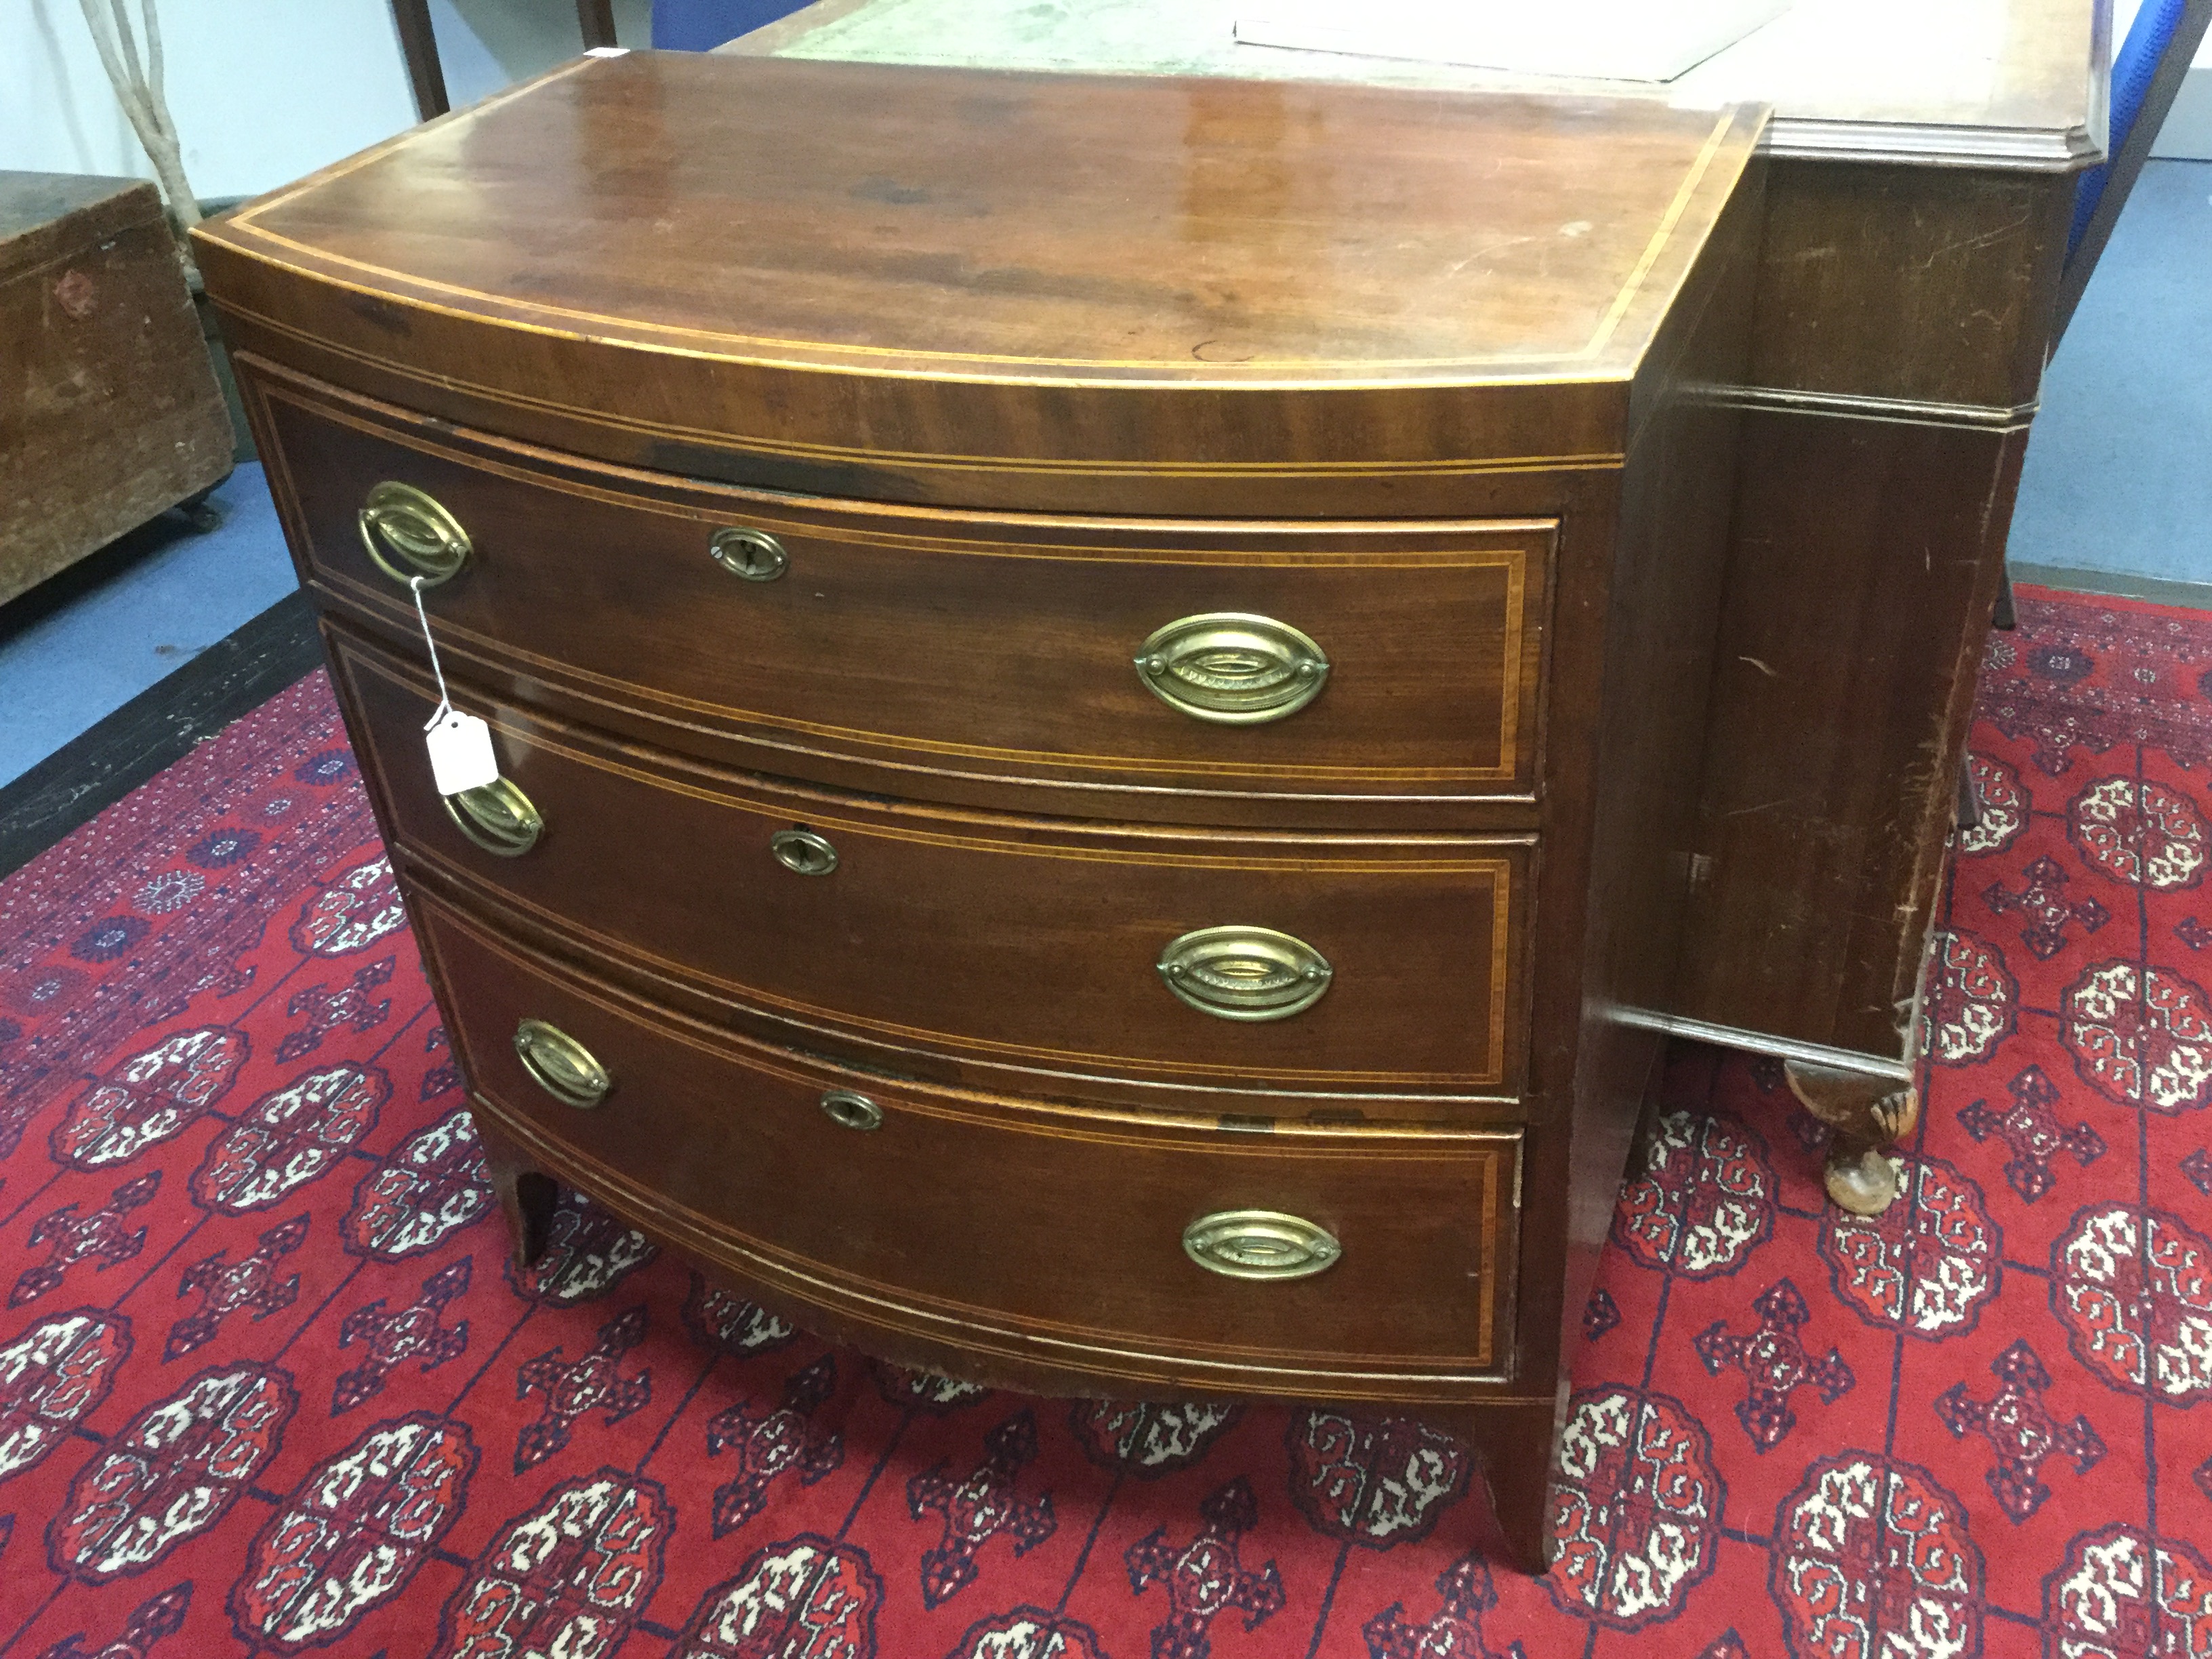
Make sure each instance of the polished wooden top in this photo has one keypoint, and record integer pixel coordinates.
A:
(971, 225)
(2015, 84)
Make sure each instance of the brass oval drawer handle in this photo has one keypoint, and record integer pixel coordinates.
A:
(753, 554)
(497, 817)
(561, 1065)
(802, 851)
(413, 528)
(1232, 668)
(1260, 1244)
(850, 1111)
(1245, 973)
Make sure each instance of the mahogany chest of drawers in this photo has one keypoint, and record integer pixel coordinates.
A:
(1096, 684)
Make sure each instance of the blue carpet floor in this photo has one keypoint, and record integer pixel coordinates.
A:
(2119, 462)
(165, 595)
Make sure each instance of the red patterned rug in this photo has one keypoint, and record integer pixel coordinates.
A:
(267, 1386)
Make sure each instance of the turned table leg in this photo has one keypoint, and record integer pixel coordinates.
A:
(526, 1195)
(1869, 1115)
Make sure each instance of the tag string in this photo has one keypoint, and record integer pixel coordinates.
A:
(445, 702)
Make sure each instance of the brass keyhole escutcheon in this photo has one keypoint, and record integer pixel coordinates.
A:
(850, 1111)
(1232, 668)
(753, 553)
(409, 534)
(561, 1065)
(1260, 1244)
(802, 851)
(1245, 973)
(497, 817)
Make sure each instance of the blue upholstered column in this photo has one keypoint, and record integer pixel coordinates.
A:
(701, 25)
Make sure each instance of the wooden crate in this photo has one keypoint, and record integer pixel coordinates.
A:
(109, 410)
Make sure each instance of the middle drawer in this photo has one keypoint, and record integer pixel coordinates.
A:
(1231, 964)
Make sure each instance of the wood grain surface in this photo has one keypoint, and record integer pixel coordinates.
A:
(1042, 1236)
(827, 213)
(1030, 944)
(955, 646)
(109, 410)
(1334, 281)
(1829, 809)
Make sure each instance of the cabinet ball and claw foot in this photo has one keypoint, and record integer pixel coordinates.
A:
(1096, 684)
(1869, 1115)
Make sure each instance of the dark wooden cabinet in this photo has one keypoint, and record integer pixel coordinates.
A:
(1923, 180)
(1097, 685)
(109, 412)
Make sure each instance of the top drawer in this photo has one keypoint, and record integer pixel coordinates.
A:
(1103, 667)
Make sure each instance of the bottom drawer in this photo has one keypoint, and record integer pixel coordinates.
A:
(1357, 1262)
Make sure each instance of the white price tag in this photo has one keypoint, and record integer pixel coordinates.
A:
(460, 745)
(460, 751)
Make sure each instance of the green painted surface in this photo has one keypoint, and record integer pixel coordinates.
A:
(1130, 37)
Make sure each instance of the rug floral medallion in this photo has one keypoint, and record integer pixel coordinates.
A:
(269, 1385)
